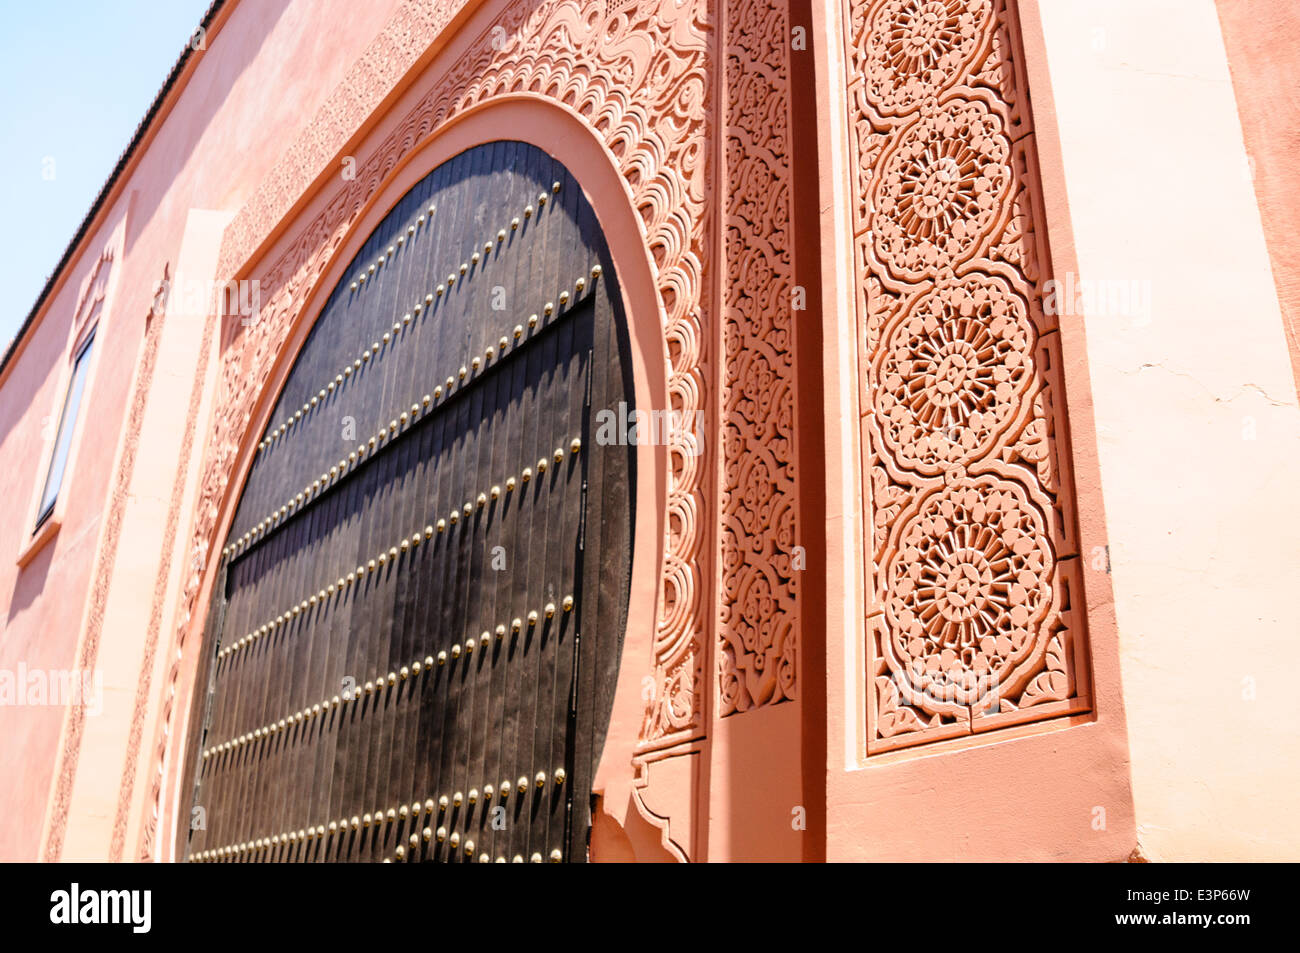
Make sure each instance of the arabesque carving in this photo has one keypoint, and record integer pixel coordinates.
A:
(758, 610)
(971, 540)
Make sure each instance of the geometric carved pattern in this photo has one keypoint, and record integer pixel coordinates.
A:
(758, 619)
(971, 623)
(639, 77)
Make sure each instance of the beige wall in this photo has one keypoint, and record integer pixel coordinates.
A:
(1197, 423)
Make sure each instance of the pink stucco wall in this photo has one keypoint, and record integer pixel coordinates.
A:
(220, 112)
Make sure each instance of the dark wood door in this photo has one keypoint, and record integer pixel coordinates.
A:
(419, 615)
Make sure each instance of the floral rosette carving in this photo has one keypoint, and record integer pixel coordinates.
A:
(967, 595)
(952, 374)
(916, 48)
(942, 190)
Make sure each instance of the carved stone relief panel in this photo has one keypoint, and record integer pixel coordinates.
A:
(758, 610)
(973, 620)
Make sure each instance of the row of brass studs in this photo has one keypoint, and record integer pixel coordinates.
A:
(427, 301)
(389, 681)
(392, 553)
(400, 853)
(379, 818)
(396, 426)
(389, 255)
(419, 222)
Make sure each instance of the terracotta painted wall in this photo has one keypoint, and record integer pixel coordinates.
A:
(53, 609)
(1197, 419)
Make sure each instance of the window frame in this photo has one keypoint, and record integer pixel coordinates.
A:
(80, 366)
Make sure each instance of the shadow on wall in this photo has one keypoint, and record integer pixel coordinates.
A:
(30, 582)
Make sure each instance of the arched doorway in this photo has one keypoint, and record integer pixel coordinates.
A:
(418, 621)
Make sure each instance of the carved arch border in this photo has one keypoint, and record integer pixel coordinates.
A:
(650, 159)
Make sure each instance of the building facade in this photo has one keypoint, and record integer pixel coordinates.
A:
(668, 430)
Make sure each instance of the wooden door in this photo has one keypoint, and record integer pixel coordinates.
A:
(418, 619)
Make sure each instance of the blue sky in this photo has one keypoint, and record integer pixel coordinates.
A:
(76, 78)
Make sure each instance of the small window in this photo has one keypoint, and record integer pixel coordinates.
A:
(67, 424)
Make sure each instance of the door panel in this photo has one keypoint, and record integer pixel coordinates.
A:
(420, 610)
